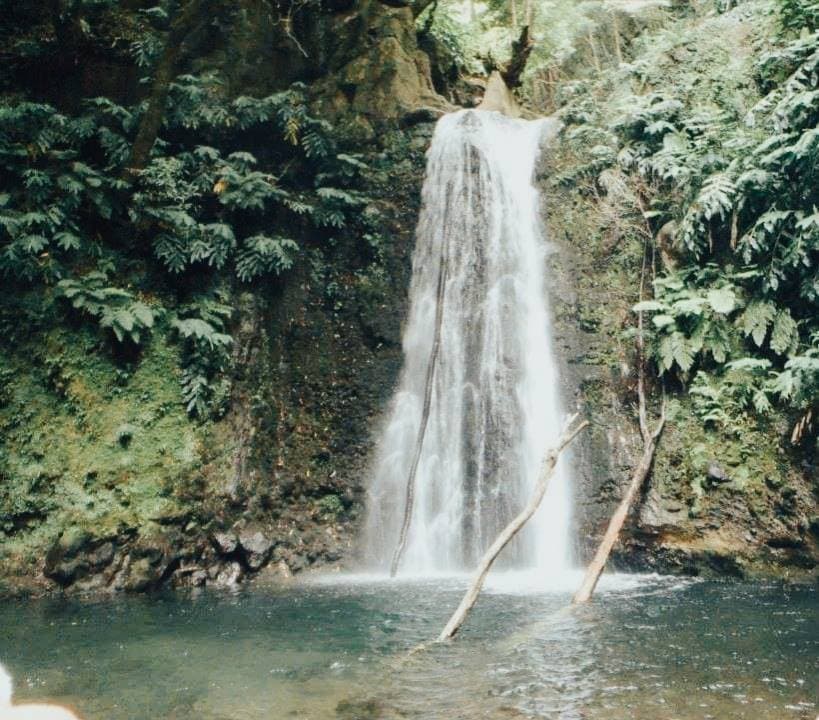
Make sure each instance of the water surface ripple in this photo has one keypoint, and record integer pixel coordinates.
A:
(647, 648)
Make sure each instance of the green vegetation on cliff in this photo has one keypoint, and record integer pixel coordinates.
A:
(168, 282)
(205, 226)
(690, 161)
(700, 122)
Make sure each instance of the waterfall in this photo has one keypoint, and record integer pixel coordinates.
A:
(494, 406)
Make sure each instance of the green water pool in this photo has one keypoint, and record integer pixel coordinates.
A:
(646, 648)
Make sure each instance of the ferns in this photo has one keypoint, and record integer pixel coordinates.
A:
(206, 356)
(798, 14)
(261, 254)
(785, 333)
(689, 322)
(175, 193)
(68, 205)
(755, 320)
(44, 215)
(699, 312)
(734, 163)
(114, 308)
(41, 224)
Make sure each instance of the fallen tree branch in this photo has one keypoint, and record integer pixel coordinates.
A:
(409, 500)
(546, 471)
(601, 557)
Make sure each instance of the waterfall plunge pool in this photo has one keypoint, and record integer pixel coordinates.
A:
(648, 647)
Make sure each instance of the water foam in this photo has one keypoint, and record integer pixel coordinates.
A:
(494, 408)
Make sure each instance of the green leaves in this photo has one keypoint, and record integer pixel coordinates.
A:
(262, 254)
(722, 300)
(53, 198)
(192, 217)
(244, 189)
(756, 319)
(127, 322)
(675, 348)
(716, 197)
(201, 326)
(114, 308)
(799, 14)
(785, 333)
(691, 321)
(192, 203)
(202, 332)
(667, 140)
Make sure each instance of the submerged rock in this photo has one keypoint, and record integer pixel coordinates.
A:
(359, 710)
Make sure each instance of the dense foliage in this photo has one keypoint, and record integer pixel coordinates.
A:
(125, 245)
(725, 169)
(717, 162)
(722, 170)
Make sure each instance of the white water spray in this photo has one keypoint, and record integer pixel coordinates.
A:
(494, 406)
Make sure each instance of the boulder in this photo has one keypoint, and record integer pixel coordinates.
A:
(225, 542)
(385, 78)
(141, 575)
(256, 544)
(76, 555)
(229, 574)
(658, 513)
(716, 473)
(499, 97)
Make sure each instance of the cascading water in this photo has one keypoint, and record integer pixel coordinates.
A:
(493, 405)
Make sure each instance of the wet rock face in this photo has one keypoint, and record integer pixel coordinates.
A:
(149, 561)
(79, 562)
(360, 57)
(384, 77)
(256, 544)
(696, 516)
(226, 542)
(227, 575)
(77, 557)
(82, 562)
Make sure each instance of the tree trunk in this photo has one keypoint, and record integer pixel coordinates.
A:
(546, 471)
(617, 46)
(595, 58)
(521, 50)
(409, 501)
(166, 70)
